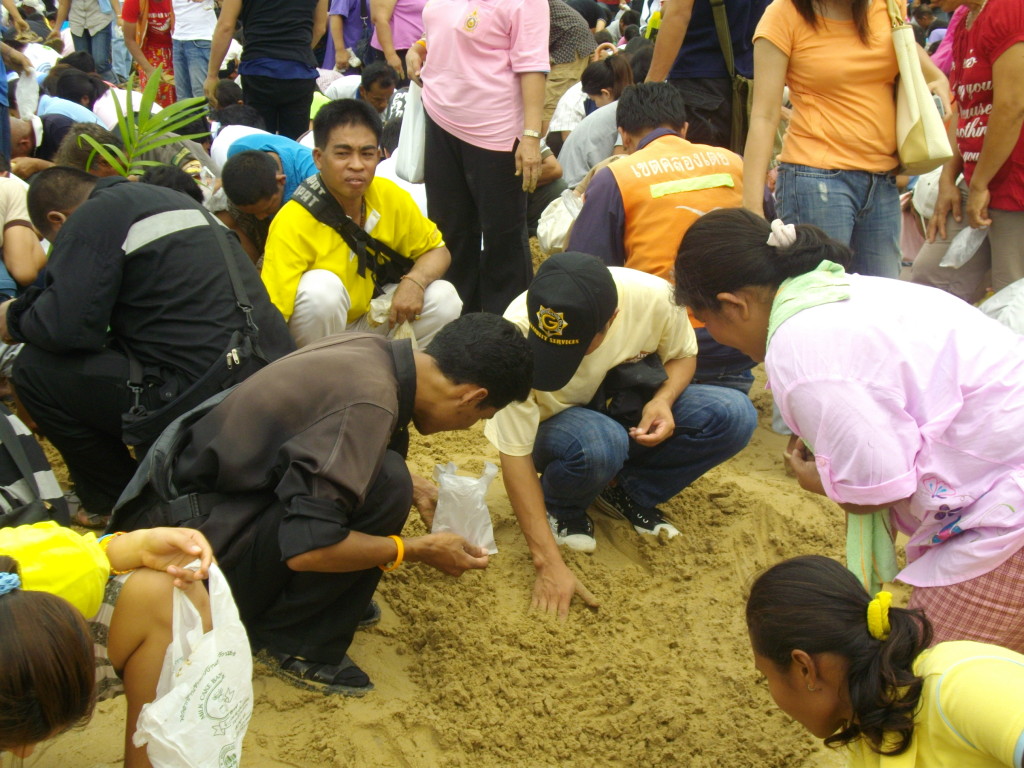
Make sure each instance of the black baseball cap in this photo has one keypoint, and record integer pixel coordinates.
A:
(571, 299)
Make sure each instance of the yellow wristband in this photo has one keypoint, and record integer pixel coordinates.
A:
(104, 542)
(398, 558)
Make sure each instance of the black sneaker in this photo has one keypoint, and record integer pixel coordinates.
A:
(371, 615)
(614, 502)
(577, 534)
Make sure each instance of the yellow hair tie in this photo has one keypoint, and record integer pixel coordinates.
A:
(878, 616)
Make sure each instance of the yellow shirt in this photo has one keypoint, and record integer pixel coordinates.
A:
(298, 243)
(971, 713)
(649, 321)
(843, 91)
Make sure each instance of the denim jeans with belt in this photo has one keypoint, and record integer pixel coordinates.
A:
(191, 60)
(857, 208)
(98, 46)
(580, 451)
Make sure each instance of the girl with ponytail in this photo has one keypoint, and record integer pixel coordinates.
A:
(605, 80)
(906, 405)
(858, 672)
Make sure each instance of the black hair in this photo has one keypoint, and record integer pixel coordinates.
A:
(922, 11)
(486, 350)
(227, 93)
(727, 249)
(379, 72)
(814, 604)
(80, 87)
(640, 52)
(611, 72)
(603, 36)
(630, 32)
(81, 60)
(249, 177)
(173, 178)
(344, 112)
(809, 10)
(57, 189)
(239, 114)
(389, 135)
(201, 126)
(74, 152)
(647, 106)
(629, 18)
(47, 665)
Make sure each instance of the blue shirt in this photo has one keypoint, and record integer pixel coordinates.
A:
(296, 160)
(52, 105)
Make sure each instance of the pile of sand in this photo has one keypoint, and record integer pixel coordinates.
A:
(466, 675)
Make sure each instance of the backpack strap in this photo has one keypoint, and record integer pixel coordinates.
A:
(12, 442)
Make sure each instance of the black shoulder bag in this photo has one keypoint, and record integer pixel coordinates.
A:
(742, 88)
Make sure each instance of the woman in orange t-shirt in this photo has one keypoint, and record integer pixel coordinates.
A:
(838, 159)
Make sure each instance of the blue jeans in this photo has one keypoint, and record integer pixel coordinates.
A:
(857, 208)
(98, 46)
(120, 59)
(191, 59)
(580, 451)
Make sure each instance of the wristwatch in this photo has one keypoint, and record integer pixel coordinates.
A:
(531, 134)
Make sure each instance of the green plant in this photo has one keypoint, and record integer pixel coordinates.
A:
(145, 130)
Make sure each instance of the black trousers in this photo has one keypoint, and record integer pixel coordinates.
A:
(283, 104)
(77, 400)
(314, 615)
(708, 110)
(473, 192)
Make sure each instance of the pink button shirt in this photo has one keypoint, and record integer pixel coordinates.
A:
(475, 49)
(909, 395)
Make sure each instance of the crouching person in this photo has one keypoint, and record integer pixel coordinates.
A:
(303, 490)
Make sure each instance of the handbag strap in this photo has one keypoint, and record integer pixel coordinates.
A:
(724, 35)
(12, 442)
(895, 16)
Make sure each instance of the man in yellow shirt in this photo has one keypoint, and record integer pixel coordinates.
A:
(346, 238)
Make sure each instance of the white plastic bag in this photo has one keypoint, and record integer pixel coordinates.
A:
(204, 696)
(27, 94)
(461, 507)
(412, 140)
(556, 221)
(1007, 306)
(963, 247)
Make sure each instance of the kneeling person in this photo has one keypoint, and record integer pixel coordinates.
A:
(583, 320)
(347, 237)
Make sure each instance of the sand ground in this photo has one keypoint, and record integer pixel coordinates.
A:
(467, 675)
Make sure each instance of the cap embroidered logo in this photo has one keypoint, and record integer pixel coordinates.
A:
(551, 323)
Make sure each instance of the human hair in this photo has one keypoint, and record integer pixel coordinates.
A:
(487, 350)
(249, 177)
(173, 178)
(629, 18)
(389, 135)
(227, 93)
(57, 189)
(923, 10)
(380, 72)
(74, 152)
(639, 52)
(47, 666)
(630, 32)
(80, 87)
(81, 60)
(814, 604)
(344, 112)
(646, 106)
(727, 249)
(239, 114)
(603, 36)
(810, 9)
(612, 73)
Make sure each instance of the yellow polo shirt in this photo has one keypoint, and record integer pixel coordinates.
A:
(298, 243)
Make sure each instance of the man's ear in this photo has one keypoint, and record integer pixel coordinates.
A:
(473, 395)
(56, 220)
(280, 178)
(684, 129)
(317, 157)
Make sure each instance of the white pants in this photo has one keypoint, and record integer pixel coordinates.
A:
(322, 304)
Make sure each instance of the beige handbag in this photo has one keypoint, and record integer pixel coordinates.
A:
(921, 140)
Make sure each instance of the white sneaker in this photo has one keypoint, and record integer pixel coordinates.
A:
(575, 534)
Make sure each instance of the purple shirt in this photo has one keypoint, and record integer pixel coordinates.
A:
(352, 25)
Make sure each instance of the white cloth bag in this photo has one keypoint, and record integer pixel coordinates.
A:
(204, 696)
(461, 507)
(412, 140)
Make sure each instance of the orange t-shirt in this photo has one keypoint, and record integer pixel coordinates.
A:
(842, 91)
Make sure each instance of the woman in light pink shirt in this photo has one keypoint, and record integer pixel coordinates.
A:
(905, 398)
(483, 92)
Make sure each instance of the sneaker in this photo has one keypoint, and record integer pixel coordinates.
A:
(577, 534)
(614, 502)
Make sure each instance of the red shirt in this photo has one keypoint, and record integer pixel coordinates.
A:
(159, 21)
(999, 26)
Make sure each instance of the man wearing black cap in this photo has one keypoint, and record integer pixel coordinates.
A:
(578, 429)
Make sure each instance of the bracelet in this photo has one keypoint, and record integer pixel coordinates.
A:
(414, 280)
(104, 542)
(398, 558)
(531, 134)
(422, 41)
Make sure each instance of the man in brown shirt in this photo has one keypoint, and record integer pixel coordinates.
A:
(299, 480)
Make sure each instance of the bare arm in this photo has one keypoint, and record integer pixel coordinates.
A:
(130, 29)
(58, 22)
(657, 422)
(770, 65)
(337, 27)
(447, 552)
(1003, 132)
(381, 12)
(528, 152)
(407, 303)
(219, 44)
(550, 170)
(675, 20)
(23, 254)
(319, 22)
(19, 23)
(936, 79)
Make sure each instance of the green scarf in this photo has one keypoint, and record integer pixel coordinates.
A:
(826, 283)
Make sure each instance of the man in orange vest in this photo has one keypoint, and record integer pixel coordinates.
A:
(637, 210)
